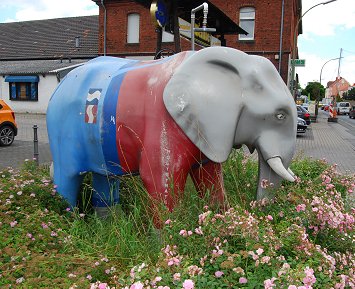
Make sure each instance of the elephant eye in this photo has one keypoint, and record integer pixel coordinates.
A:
(280, 116)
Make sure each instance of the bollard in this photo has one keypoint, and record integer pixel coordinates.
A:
(35, 144)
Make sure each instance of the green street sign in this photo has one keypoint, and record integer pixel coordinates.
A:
(299, 62)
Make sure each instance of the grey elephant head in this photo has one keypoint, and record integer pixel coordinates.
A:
(223, 98)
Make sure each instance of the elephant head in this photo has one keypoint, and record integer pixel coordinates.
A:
(223, 98)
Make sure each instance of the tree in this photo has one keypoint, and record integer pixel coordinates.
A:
(350, 95)
(315, 90)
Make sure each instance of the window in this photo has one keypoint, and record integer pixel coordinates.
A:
(247, 22)
(133, 28)
(23, 87)
(23, 91)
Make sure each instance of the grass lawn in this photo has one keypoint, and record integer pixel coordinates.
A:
(302, 238)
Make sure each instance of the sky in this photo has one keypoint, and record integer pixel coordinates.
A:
(326, 30)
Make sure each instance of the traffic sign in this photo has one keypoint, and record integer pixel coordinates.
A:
(299, 62)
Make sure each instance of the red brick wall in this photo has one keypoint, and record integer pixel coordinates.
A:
(116, 31)
(267, 29)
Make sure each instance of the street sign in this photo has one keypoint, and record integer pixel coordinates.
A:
(299, 62)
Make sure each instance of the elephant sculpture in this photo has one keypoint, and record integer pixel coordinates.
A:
(168, 118)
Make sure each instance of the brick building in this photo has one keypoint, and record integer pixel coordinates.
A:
(270, 25)
(337, 87)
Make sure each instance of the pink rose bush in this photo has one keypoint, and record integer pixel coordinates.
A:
(301, 238)
(260, 234)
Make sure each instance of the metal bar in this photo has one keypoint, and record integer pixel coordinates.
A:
(35, 145)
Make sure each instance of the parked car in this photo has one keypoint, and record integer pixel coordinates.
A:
(8, 126)
(304, 114)
(343, 107)
(301, 125)
(352, 112)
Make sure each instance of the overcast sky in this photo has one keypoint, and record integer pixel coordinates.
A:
(326, 29)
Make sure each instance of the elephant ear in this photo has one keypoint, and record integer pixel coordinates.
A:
(204, 98)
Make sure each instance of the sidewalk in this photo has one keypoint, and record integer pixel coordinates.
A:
(23, 146)
(329, 141)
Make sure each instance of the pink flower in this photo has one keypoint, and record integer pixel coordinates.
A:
(243, 280)
(102, 285)
(264, 183)
(176, 276)
(188, 284)
(13, 224)
(218, 274)
(301, 207)
(292, 287)
(309, 279)
(269, 217)
(183, 233)
(137, 285)
(198, 231)
(259, 251)
(167, 222)
(269, 283)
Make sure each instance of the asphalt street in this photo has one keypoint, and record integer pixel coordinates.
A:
(334, 142)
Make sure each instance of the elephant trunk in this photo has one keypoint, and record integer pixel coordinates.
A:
(271, 173)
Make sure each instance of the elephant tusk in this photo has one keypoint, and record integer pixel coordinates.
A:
(277, 166)
(291, 172)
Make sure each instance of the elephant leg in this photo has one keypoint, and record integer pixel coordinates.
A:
(208, 177)
(68, 184)
(165, 183)
(106, 193)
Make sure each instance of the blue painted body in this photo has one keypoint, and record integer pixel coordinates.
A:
(68, 128)
(81, 122)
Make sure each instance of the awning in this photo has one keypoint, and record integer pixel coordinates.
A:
(216, 18)
(21, 78)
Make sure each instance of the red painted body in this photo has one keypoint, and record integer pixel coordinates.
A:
(149, 141)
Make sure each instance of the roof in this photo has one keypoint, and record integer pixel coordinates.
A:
(216, 17)
(50, 39)
(23, 67)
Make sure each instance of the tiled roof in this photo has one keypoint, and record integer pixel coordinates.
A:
(49, 39)
(36, 67)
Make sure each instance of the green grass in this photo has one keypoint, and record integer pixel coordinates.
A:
(43, 245)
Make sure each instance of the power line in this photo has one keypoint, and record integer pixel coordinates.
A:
(348, 51)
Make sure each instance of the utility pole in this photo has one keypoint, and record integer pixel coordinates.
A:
(341, 52)
(333, 110)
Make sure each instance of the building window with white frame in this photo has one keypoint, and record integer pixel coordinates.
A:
(133, 20)
(247, 22)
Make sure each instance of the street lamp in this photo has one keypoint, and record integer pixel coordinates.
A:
(333, 118)
(292, 82)
(320, 82)
(320, 75)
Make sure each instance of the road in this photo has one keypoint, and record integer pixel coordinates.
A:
(349, 125)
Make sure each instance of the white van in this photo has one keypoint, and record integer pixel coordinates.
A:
(343, 107)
